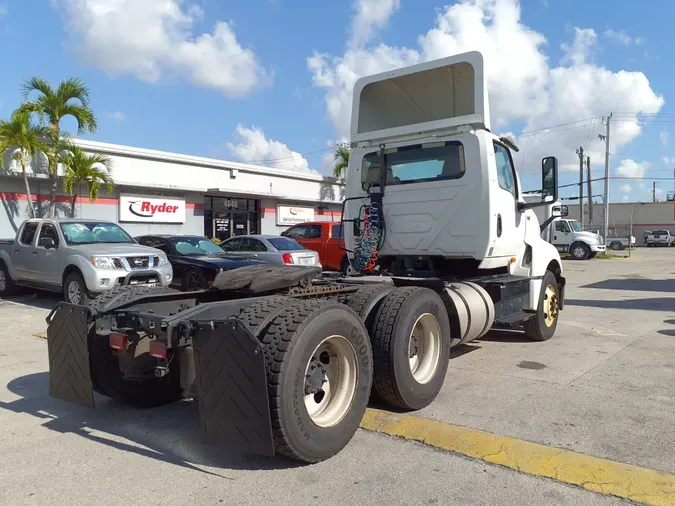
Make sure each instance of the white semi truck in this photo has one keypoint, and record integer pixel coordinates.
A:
(282, 359)
(566, 234)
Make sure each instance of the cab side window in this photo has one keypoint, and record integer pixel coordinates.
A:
(48, 230)
(505, 172)
(28, 233)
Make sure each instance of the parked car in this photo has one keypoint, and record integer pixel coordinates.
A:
(80, 258)
(272, 249)
(619, 243)
(324, 237)
(661, 238)
(195, 260)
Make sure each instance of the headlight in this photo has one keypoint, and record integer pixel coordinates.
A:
(163, 260)
(102, 262)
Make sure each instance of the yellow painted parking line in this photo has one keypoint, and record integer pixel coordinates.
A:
(592, 473)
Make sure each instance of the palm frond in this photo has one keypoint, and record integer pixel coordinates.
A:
(86, 120)
(73, 88)
(36, 84)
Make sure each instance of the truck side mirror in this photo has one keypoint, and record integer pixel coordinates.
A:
(549, 178)
(47, 242)
(560, 211)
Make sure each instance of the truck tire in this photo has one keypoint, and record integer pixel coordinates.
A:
(109, 381)
(110, 299)
(580, 251)
(319, 376)
(616, 245)
(260, 314)
(7, 286)
(410, 319)
(542, 326)
(75, 290)
(366, 300)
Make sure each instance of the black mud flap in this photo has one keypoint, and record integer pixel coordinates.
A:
(69, 375)
(231, 385)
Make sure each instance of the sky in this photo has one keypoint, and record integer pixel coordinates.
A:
(270, 82)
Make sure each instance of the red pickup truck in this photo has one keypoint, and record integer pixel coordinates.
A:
(324, 237)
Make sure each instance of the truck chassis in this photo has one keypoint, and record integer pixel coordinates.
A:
(263, 339)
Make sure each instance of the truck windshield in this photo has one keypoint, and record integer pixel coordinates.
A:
(94, 233)
(576, 226)
(436, 161)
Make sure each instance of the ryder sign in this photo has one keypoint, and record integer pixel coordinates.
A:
(140, 209)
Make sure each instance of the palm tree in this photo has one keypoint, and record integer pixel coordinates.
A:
(71, 98)
(341, 156)
(81, 168)
(20, 133)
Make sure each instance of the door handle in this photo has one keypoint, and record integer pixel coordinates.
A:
(35, 252)
(16, 251)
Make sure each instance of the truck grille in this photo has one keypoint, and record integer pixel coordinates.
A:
(118, 263)
(138, 262)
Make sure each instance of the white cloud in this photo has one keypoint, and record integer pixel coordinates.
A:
(369, 16)
(631, 168)
(117, 116)
(625, 198)
(537, 94)
(664, 138)
(154, 40)
(579, 51)
(254, 147)
(4, 10)
(668, 160)
(622, 37)
(626, 188)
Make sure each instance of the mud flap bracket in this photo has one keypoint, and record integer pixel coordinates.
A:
(68, 351)
(231, 382)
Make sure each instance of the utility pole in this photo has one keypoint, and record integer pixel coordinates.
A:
(654, 191)
(590, 193)
(580, 152)
(607, 121)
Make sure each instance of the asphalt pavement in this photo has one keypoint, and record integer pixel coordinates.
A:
(602, 387)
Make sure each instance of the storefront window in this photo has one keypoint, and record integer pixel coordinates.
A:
(226, 217)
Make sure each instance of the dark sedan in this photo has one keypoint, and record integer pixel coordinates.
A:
(195, 260)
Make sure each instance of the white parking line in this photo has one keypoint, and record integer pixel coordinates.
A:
(601, 331)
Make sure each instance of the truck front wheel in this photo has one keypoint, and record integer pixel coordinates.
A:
(580, 251)
(542, 326)
(411, 346)
(75, 290)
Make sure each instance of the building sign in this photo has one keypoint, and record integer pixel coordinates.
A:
(140, 209)
(291, 215)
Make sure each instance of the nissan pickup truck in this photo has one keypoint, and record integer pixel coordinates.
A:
(79, 258)
(661, 238)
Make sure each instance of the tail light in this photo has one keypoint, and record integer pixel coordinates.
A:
(288, 258)
(118, 341)
(158, 349)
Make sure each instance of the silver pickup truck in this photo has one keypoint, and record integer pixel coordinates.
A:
(80, 258)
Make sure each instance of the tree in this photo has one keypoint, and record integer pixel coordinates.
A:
(341, 156)
(71, 98)
(21, 133)
(81, 168)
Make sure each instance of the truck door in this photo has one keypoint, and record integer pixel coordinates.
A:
(510, 224)
(22, 254)
(562, 235)
(46, 262)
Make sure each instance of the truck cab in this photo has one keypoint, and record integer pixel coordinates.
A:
(443, 186)
(566, 234)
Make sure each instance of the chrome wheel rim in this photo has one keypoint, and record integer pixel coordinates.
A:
(550, 306)
(579, 252)
(424, 348)
(330, 381)
(74, 292)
